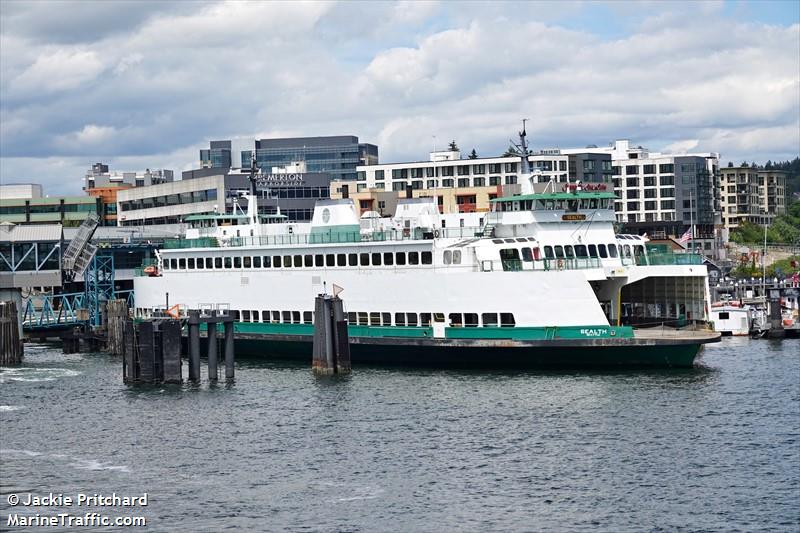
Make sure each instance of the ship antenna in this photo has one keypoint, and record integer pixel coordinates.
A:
(523, 145)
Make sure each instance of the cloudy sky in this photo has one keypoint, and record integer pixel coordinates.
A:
(147, 84)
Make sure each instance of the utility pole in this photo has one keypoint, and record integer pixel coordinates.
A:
(691, 218)
(764, 258)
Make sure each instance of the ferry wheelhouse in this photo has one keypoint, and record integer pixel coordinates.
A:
(544, 282)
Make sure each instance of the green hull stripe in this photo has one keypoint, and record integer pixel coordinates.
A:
(515, 333)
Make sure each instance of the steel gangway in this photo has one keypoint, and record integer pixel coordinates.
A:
(80, 251)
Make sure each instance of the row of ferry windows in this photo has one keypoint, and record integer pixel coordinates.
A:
(570, 252)
(469, 320)
(308, 260)
(600, 250)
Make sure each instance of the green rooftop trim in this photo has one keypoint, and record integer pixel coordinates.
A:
(191, 218)
(582, 195)
(212, 216)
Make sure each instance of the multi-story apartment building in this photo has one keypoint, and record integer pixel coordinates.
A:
(751, 194)
(461, 185)
(664, 194)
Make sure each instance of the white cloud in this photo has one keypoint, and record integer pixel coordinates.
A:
(93, 134)
(128, 62)
(395, 74)
(682, 147)
(58, 70)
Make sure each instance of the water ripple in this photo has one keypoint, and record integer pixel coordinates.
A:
(709, 449)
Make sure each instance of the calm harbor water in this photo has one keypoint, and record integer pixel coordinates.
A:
(716, 448)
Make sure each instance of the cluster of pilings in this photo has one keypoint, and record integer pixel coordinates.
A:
(196, 319)
(10, 342)
(153, 353)
(331, 353)
(151, 349)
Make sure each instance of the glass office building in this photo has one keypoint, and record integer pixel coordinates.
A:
(217, 156)
(337, 155)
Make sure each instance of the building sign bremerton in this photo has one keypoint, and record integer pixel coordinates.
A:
(270, 180)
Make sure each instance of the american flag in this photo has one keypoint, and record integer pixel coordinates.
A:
(686, 237)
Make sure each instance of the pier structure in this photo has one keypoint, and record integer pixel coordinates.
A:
(210, 318)
(30, 257)
(749, 288)
(61, 277)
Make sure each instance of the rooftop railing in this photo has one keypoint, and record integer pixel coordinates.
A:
(202, 242)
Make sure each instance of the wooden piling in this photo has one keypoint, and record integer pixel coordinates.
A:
(10, 342)
(341, 337)
(130, 359)
(322, 358)
(171, 350)
(229, 355)
(116, 315)
(213, 373)
(331, 348)
(145, 336)
(194, 346)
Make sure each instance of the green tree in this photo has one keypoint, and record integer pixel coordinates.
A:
(785, 229)
(512, 151)
(453, 146)
(473, 154)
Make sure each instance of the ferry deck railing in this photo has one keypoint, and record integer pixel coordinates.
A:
(332, 237)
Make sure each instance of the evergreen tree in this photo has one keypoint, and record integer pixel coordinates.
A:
(512, 151)
(473, 154)
(730, 164)
(453, 146)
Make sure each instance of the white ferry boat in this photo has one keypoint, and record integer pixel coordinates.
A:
(544, 282)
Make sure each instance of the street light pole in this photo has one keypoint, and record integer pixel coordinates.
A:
(764, 260)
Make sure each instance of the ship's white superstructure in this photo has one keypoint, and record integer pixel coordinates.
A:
(538, 263)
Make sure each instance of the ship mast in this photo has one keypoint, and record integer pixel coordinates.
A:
(252, 176)
(525, 167)
(523, 144)
(252, 199)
